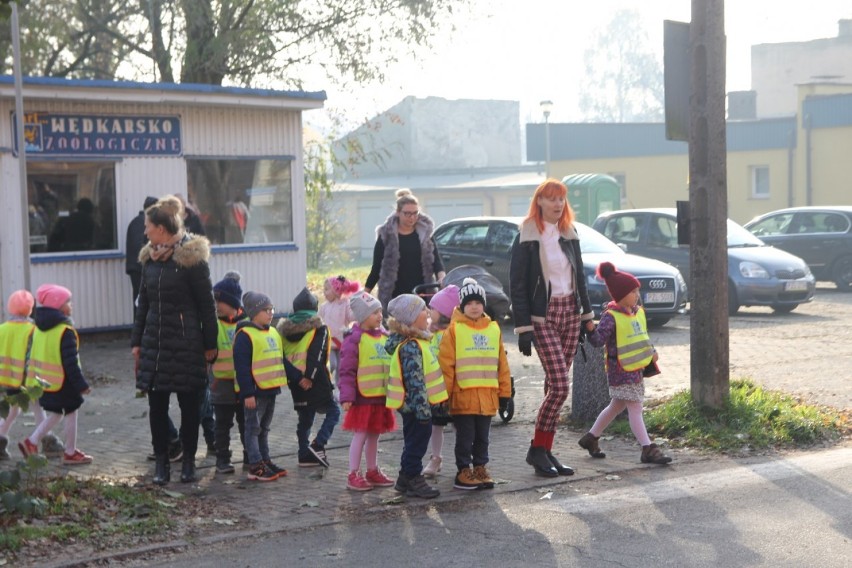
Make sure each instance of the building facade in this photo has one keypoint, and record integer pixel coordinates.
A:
(96, 149)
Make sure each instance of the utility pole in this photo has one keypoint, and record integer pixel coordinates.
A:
(708, 196)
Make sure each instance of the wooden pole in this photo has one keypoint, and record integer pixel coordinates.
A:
(708, 194)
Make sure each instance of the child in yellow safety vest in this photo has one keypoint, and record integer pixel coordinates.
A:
(364, 367)
(307, 342)
(415, 385)
(441, 307)
(261, 372)
(15, 338)
(478, 379)
(54, 358)
(224, 388)
(629, 358)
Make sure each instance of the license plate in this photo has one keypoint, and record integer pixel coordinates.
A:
(659, 297)
(795, 286)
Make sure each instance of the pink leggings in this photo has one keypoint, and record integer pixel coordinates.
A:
(634, 416)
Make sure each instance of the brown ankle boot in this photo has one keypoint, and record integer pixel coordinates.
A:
(590, 443)
(653, 454)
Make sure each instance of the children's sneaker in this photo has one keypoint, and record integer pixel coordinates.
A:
(377, 478)
(4, 453)
(319, 452)
(433, 467)
(259, 472)
(27, 448)
(483, 476)
(51, 446)
(278, 471)
(224, 465)
(467, 480)
(309, 460)
(77, 458)
(175, 451)
(356, 482)
(419, 487)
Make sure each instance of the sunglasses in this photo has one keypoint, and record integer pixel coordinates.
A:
(410, 213)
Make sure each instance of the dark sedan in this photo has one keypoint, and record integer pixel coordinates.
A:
(758, 274)
(487, 242)
(821, 236)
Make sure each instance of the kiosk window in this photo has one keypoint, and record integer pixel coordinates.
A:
(71, 206)
(242, 200)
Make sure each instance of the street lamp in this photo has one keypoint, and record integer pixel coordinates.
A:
(546, 107)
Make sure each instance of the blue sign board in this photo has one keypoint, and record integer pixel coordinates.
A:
(70, 135)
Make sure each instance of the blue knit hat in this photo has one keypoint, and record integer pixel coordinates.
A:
(228, 290)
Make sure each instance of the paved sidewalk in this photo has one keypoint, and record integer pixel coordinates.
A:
(113, 426)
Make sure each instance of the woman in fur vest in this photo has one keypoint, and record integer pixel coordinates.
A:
(174, 333)
(405, 255)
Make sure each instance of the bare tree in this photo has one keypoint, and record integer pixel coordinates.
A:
(624, 78)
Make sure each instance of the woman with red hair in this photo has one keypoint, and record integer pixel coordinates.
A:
(549, 301)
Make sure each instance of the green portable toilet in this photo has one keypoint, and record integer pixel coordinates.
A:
(592, 194)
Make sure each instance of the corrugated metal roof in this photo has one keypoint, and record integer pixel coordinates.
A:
(828, 111)
(578, 141)
(173, 87)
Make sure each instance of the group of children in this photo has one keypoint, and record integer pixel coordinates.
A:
(450, 367)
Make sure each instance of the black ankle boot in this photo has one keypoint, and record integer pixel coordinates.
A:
(162, 469)
(537, 457)
(187, 472)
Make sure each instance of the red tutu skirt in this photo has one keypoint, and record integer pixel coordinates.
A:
(372, 418)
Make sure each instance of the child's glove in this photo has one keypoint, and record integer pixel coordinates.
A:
(525, 343)
(504, 403)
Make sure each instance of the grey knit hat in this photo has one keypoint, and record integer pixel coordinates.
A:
(406, 307)
(363, 305)
(305, 301)
(255, 302)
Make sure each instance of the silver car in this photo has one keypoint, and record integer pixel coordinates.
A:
(758, 274)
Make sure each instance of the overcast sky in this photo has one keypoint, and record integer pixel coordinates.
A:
(531, 50)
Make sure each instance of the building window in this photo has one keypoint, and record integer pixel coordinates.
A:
(760, 182)
(71, 206)
(242, 200)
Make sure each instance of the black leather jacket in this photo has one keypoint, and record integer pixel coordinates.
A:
(529, 290)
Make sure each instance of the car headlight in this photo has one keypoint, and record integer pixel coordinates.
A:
(753, 270)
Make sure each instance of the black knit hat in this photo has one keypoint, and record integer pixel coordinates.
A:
(305, 301)
(470, 290)
(228, 290)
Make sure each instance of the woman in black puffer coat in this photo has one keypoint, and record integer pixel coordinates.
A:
(174, 334)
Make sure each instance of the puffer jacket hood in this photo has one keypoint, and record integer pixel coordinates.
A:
(48, 318)
(294, 331)
(192, 250)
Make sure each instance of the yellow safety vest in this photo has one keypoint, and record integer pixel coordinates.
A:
(267, 357)
(223, 368)
(46, 357)
(477, 356)
(297, 351)
(14, 342)
(632, 343)
(373, 366)
(435, 343)
(436, 390)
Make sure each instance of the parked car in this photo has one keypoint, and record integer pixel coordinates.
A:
(821, 236)
(487, 242)
(758, 274)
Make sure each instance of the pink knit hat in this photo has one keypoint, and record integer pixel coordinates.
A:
(52, 295)
(20, 303)
(446, 300)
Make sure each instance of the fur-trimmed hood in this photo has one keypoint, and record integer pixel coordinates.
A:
(190, 251)
(287, 328)
(529, 232)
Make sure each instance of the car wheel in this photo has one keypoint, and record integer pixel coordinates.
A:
(657, 322)
(842, 273)
(733, 302)
(784, 308)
